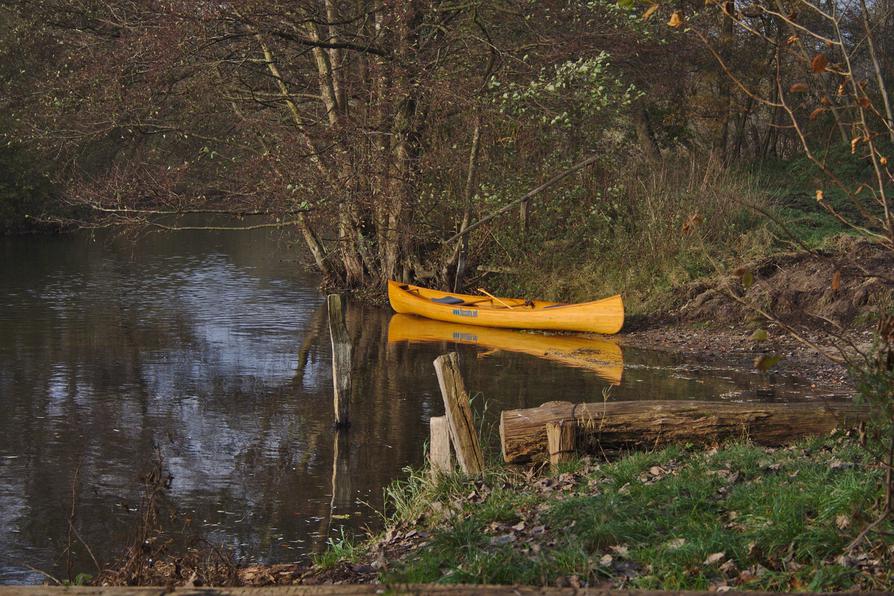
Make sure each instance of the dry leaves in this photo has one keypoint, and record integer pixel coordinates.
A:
(842, 521)
(620, 550)
(650, 11)
(765, 362)
(819, 63)
(759, 335)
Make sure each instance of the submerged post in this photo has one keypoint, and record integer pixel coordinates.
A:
(341, 472)
(439, 455)
(342, 353)
(459, 414)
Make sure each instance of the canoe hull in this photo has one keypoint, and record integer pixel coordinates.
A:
(601, 316)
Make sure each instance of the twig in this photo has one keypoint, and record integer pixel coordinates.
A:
(71, 518)
(87, 546)
(578, 166)
(43, 573)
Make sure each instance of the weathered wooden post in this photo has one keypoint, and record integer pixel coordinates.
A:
(439, 455)
(342, 354)
(459, 414)
(560, 439)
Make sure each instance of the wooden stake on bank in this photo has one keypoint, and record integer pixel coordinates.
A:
(459, 415)
(560, 438)
(342, 354)
(439, 455)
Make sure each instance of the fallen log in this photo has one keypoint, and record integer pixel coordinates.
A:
(610, 426)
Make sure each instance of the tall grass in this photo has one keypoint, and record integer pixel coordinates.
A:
(640, 231)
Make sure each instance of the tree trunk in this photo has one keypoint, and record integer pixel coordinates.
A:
(314, 245)
(740, 129)
(873, 54)
(612, 426)
(457, 260)
(644, 132)
(724, 92)
(350, 252)
(404, 140)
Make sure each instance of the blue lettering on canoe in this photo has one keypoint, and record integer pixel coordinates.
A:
(465, 313)
(464, 336)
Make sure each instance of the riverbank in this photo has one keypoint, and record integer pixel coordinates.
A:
(813, 309)
(737, 516)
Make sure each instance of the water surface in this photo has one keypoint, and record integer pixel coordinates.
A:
(213, 349)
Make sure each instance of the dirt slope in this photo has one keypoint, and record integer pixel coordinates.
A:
(800, 288)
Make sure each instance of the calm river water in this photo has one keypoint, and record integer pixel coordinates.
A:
(213, 348)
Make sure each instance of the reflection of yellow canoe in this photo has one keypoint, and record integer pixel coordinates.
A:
(601, 316)
(602, 356)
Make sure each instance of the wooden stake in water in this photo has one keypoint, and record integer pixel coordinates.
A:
(342, 355)
(459, 414)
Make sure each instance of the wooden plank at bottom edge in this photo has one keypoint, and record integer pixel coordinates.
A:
(348, 590)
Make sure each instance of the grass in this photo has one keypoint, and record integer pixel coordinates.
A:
(643, 235)
(338, 550)
(740, 516)
(644, 230)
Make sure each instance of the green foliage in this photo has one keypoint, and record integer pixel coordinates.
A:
(565, 93)
(875, 384)
(794, 184)
(341, 549)
(81, 579)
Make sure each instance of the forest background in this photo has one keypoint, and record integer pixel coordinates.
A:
(379, 130)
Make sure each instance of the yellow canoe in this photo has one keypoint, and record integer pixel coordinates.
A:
(600, 316)
(599, 355)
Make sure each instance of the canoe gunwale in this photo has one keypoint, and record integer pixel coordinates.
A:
(525, 303)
